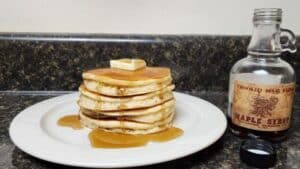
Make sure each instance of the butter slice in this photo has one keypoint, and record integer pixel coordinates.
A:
(128, 64)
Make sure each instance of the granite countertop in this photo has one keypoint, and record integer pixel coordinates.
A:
(223, 154)
(198, 63)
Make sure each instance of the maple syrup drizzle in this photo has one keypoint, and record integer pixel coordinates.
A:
(141, 74)
(72, 121)
(122, 106)
(103, 139)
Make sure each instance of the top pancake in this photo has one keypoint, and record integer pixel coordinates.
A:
(120, 77)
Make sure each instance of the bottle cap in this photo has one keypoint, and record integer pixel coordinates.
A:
(258, 153)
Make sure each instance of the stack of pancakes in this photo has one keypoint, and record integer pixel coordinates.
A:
(127, 101)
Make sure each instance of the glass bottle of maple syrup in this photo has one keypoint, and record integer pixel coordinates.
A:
(262, 85)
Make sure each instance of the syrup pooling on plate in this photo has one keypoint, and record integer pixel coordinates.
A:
(72, 121)
(102, 139)
(166, 135)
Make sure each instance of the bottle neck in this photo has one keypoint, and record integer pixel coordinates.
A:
(264, 58)
(265, 40)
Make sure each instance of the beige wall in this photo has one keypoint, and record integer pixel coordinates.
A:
(140, 16)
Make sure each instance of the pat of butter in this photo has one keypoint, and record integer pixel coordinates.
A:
(128, 64)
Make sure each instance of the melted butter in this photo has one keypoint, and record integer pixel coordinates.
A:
(141, 74)
(72, 121)
(103, 139)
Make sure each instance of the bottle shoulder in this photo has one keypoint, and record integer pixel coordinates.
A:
(250, 64)
(260, 67)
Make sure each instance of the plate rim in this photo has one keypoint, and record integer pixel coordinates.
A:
(118, 165)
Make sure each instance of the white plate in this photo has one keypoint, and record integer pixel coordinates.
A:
(34, 130)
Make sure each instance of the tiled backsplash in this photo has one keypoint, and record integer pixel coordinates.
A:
(55, 62)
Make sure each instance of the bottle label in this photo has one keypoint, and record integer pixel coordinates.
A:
(262, 107)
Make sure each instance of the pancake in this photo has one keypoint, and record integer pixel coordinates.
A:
(94, 101)
(123, 124)
(103, 98)
(128, 98)
(91, 104)
(114, 90)
(135, 112)
(148, 118)
(138, 131)
(120, 77)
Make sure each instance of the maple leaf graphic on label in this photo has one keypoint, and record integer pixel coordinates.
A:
(262, 106)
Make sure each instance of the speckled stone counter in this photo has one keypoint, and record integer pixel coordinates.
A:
(223, 154)
(55, 62)
(200, 64)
